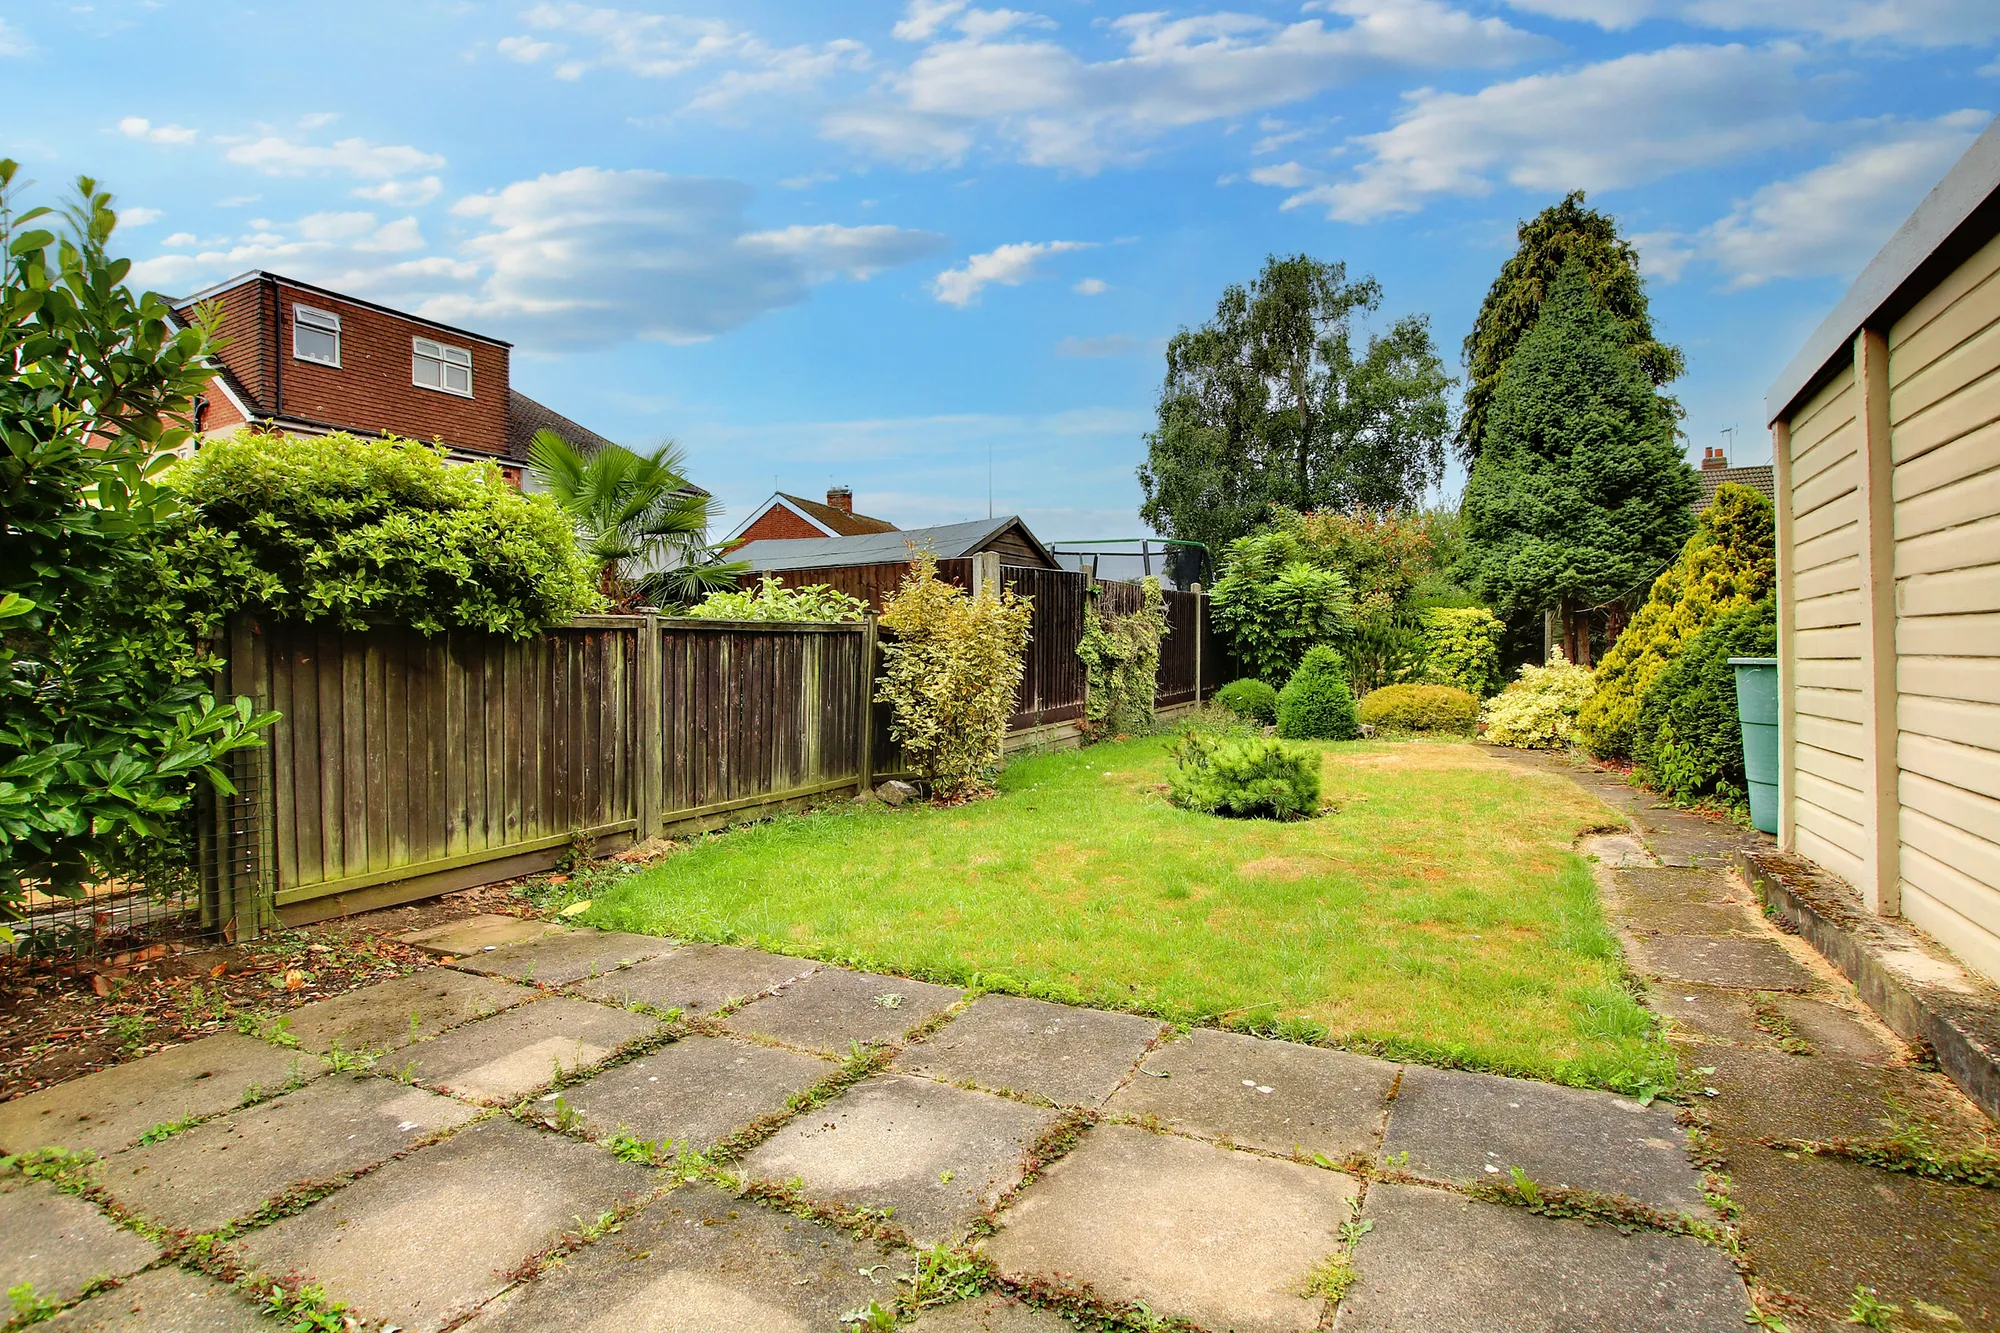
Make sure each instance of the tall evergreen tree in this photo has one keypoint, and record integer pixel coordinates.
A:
(1580, 495)
(1548, 241)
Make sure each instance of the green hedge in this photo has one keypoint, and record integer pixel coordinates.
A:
(1254, 776)
(1439, 708)
(1688, 739)
(1316, 703)
(1250, 699)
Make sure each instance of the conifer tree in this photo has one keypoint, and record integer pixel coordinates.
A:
(1580, 496)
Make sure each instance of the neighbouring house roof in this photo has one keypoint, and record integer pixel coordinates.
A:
(1953, 221)
(525, 416)
(840, 521)
(1762, 477)
(265, 275)
(948, 541)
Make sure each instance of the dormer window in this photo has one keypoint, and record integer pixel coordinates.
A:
(435, 365)
(316, 336)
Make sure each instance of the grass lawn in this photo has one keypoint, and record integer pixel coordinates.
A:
(1437, 913)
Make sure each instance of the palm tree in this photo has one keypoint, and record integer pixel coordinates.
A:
(637, 517)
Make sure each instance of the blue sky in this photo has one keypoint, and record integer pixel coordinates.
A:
(868, 243)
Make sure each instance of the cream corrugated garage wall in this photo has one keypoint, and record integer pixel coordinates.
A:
(1944, 417)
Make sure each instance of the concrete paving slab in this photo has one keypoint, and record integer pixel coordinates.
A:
(696, 1091)
(702, 1261)
(55, 1242)
(389, 1016)
(166, 1300)
(997, 1313)
(833, 1007)
(574, 955)
(1832, 1030)
(1762, 1094)
(1710, 1013)
(1817, 1226)
(504, 1057)
(697, 979)
(1733, 961)
(426, 1240)
(1620, 851)
(469, 935)
(1275, 1095)
(1223, 1238)
(1471, 1128)
(1070, 1056)
(105, 1111)
(1652, 916)
(937, 1155)
(1682, 885)
(228, 1168)
(1440, 1263)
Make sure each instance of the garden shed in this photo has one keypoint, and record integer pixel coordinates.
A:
(1886, 437)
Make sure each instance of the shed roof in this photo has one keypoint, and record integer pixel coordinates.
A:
(1955, 219)
(946, 541)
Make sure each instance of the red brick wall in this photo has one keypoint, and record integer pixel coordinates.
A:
(778, 523)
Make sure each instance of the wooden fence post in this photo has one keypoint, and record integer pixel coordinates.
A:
(865, 777)
(986, 572)
(647, 713)
(1200, 626)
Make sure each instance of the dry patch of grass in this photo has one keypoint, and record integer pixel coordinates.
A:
(1439, 913)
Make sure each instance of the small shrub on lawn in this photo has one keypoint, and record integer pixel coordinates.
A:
(1462, 648)
(772, 600)
(1538, 711)
(1250, 699)
(1252, 776)
(1421, 708)
(1688, 739)
(1316, 703)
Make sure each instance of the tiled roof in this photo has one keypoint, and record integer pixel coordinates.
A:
(525, 416)
(947, 542)
(1759, 478)
(842, 522)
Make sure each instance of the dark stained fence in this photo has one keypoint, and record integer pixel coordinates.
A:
(1189, 648)
(1052, 682)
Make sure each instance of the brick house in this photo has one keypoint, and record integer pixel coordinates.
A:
(786, 517)
(303, 360)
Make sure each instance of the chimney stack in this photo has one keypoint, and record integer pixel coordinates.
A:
(841, 498)
(1713, 458)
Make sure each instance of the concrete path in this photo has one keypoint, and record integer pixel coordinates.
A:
(1804, 1086)
(570, 1130)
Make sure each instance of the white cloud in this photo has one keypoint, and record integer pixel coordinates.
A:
(779, 72)
(1830, 220)
(138, 127)
(922, 18)
(1052, 107)
(138, 217)
(1908, 22)
(401, 194)
(1284, 175)
(1111, 344)
(589, 257)
(1008, 265)
(179, 239)
(1616, 123)
(12, 41)
(348, 252)
(277, 156)
(314, 120)
(527, 50)
(1091, 287)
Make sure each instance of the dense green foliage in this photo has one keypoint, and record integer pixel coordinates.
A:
(1729, 562)
(950, 671)
(1277, 598)
(1248, 776)
(1547, 243)
(1538, 710)
(1580, 495)
(1430, 708)
(772, 600)
(1271, 402)
(1251, 699)
(1316, 703)
(1462, 648)
(1388, 559)
(1688, 740)
(365, 532)
(1121, 660)
(106, 727)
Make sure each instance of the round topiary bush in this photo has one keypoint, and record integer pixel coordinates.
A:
(1430, 708)
(1250, 699)
(1255, 776)
(1316, 704)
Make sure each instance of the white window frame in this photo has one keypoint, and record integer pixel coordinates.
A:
(320, 321)
(442, 353)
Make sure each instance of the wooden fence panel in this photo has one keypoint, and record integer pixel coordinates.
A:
(1052, 685)
(1180, 651)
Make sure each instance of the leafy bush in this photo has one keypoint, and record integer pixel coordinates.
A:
(950, 673)
(1249, 698)
(1275, 603)
(1688, 739)
(1731, 561)
(1254, 775)
(1462, 648)
(1420, 708)
(1384, 650)
(1383, 556)
(1538, 711)
(1121, 659)
(105, 725)
(372, 532)
(1316, 703)
(772, 600)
